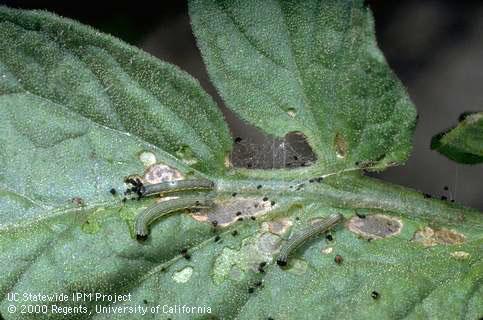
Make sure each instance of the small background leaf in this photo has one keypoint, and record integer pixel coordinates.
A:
(464, 143)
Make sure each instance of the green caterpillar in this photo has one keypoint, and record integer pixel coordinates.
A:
(160, 209)
(176, 186)
(298, 239)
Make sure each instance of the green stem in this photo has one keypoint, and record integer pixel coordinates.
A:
(352, 190)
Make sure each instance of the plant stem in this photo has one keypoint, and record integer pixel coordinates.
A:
(355, 191)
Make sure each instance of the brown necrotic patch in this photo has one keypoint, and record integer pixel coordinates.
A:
(340, 145)
(376, 226)
(430, 237)
(160, 172)
(226, 212)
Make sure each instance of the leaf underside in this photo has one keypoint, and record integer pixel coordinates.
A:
(80, 110)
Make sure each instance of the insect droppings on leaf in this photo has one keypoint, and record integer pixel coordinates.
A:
(360, 215)
(300, 186)
(185, 254)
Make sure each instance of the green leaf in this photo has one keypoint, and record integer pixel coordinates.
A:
(111, 84)
(464, 143)
(80, 111)
(311, 67)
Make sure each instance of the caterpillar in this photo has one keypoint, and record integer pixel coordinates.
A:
(156, 211)
(298, 239)
(176, 186)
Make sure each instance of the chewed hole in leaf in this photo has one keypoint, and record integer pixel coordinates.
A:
(340, 145)
(160, 172)
(265, 152)
(376, 226)
(430, 237)
(228, 212)
(183, 275)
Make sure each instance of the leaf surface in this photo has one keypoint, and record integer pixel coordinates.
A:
(311, 67)
(80, 111)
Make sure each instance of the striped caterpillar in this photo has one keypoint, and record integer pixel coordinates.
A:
(156, 211)
(298, 239)
(143, 190)
(177, 186)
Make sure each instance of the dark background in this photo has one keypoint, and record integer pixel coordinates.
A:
(434, 46)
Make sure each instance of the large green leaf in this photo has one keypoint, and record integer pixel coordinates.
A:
(111, 84)
(80, 111)
(312, 67)
(464, 143)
